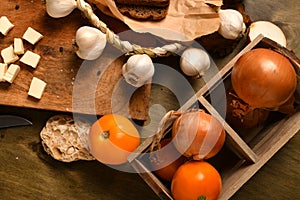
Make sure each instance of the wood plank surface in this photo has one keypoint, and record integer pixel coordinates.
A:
(59, 66)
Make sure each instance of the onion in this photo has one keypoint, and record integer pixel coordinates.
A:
(263, 78)
(267, 29)
(288, 107)
(198, 134)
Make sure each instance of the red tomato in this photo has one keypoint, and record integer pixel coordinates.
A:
(196, 180)
(112, 138)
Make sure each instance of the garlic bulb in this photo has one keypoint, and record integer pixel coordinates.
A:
(194, 62)
(231, 24)
(138, 70)
(60, 8)
(90, 42)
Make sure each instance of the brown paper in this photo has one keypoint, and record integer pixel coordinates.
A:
(185, 21)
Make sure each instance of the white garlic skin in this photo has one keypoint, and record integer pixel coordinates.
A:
(60, 8)
(231, 24)
(138, 70)
(194, 62)
(90, 42)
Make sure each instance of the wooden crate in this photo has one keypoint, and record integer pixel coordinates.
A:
(243, 154)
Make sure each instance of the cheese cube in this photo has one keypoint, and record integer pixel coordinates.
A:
(18, 46)
(32, 36)
(9, 55)
(30, 58)
(3, 69)
(37, 87)
(12, 72)
(5, 25)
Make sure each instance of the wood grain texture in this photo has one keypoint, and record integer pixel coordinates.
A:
(59, 65)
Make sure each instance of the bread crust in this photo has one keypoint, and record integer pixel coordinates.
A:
(156, 3)
(143, 12)
(61, 138)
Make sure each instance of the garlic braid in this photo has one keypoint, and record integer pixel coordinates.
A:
(125, 46)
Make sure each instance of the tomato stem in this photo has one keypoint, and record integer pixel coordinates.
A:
(105, 135)
(201, 197)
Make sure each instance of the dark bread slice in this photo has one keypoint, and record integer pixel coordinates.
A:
(156, 3)
(143, 12)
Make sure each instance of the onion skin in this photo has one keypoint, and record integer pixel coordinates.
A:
(240, 115)
(288, 107)
(198, 134)
(263, 78)
(269, 30)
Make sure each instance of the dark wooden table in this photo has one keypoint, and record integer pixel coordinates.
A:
(27, 172)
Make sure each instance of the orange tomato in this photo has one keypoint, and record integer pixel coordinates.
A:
(112, 138)
(196, 180)
(168, 160)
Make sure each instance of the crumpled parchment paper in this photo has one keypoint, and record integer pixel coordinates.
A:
(185, 21)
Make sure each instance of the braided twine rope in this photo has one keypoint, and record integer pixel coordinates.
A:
(125, 46)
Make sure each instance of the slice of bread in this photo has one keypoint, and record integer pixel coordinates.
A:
(156, 3)
(154, 10)
(143, 12)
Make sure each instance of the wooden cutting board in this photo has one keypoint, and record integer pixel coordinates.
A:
(99, 86)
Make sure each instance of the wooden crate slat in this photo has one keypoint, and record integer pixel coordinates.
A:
(238, 144)
(152, 181)
(274, 138)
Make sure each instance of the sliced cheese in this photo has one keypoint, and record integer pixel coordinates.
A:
(9, 55)
(18, 46)
(37, 87)
(30, 58)
(5, 25)
(3, 69)
(32, 36)
(12, 72)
